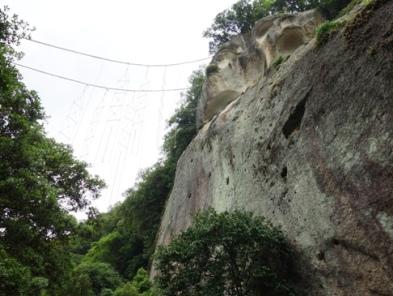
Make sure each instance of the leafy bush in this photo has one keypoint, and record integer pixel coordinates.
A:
(91, 278)
(139, 286)
(14, 277)
(106, 292)
(226, 254)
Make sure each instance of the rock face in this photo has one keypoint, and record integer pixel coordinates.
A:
(243, 60)
(310, 146)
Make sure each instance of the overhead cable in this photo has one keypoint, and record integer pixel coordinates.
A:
(97, 85)
(117, 61)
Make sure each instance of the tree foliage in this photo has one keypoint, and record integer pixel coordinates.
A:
(183, 123)
(139, 286)
(92, 278)
(14, 277)
(226, 254)
(40, 180)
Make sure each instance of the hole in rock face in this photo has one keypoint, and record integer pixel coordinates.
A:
(321, 256)
(262, 26)
(243, 62)
(227, 180)
(290, 39)
(284, 173)
(295, 119)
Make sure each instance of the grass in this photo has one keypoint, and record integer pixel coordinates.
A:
(325, 30)
(279, 60)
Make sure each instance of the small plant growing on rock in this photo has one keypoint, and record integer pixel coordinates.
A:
(227, 254)
(325, 30)
(278, 61)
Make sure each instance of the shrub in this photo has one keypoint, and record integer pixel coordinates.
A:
(139, 286)
(91, 278)
(226, 254)
(14, 277)
(106, 292)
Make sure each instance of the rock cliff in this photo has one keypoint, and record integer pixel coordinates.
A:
(245, 59)
(308, 144)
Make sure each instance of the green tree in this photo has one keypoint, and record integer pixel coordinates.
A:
(40, 180)
(226, 254)
(238, 19)
(91, 278)
(14, 277)
(139, 286)
(120, 249)
(183, 123)
(106, 292)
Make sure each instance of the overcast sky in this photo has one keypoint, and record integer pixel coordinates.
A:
(117, 133)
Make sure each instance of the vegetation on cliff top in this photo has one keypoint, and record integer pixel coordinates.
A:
(241, 17)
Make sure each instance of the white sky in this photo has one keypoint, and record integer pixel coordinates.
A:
(117, 133)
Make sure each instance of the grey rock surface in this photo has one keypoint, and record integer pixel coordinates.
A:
(310, 146)
(245, 59)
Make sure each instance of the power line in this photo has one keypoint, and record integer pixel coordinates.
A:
(97, 85)
(117, 61)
